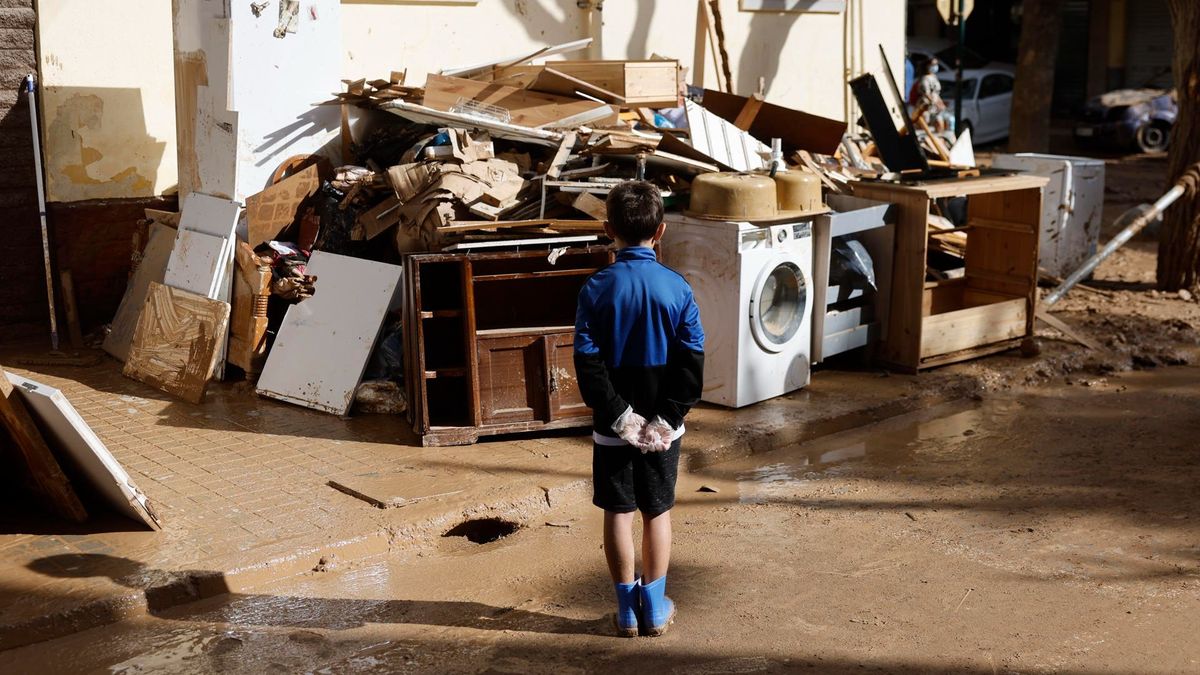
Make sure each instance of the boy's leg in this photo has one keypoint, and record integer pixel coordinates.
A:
(656, 545)
(618, 545)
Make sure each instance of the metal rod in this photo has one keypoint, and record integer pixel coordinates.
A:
(30, 88)
(958, 78)
(1113, 244)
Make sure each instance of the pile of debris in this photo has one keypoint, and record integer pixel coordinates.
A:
(502, 154)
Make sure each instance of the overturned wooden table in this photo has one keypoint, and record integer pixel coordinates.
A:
(990, 308)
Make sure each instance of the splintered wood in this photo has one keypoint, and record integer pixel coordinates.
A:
(176, 342)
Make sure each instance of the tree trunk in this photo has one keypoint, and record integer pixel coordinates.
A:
(1033, 90)
(1179, 242)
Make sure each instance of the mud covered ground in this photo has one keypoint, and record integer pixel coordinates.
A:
(1048, 531)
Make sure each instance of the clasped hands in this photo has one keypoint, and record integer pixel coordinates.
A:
(652, 436)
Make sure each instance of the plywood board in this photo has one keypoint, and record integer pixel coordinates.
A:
(325, 341)
(35, 463)
(725, 143)
(527, 108)
(176, 344)
(271, 211)
(426, 115)
(152, 268)
(68, 433)
(197, 263)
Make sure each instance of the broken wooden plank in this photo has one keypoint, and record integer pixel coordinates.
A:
(591, 205)
(33, 459)
(561, 155)
(70, 435)
(749, 111)
(1062, 327)
(525, 108)
(177, 341)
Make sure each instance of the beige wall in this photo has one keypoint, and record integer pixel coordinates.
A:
(108, 101)
(804, 57)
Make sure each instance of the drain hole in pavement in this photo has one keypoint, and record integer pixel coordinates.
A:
(483, 530)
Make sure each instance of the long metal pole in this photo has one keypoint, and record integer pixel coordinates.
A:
(1192, 175)
(958, 78)
(30, 87)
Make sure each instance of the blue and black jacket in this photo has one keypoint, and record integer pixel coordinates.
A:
(638, 342)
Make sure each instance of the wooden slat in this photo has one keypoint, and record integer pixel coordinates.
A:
(32, 458)
(972, 327)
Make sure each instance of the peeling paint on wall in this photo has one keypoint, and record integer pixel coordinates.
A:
(97, 146)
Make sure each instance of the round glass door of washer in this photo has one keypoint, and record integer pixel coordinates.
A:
(777, 306)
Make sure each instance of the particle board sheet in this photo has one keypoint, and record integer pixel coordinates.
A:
(325, 341)
(32, 459)
(271, 211)
(724, 142)
(216, 217)
(152, 268)
(177, 341)
(197, 263)
(68, 433)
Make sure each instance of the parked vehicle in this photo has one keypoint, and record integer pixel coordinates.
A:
(987, 87)
(987, 101)
(1128, 119)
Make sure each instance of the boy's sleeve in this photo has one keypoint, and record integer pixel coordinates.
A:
(685, 367)
(590, 369)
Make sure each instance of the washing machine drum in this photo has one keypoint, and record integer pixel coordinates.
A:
(778, 305)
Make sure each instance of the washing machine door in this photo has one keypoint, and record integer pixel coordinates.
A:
(779, 303)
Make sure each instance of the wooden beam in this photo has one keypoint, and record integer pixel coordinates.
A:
(748, 112)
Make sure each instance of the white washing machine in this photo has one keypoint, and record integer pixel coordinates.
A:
(753, 284)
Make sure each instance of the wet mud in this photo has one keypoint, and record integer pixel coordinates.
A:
(1048, 530)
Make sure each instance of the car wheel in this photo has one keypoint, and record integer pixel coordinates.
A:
(1154, 137)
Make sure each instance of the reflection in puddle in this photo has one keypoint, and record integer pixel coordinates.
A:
(891, 443)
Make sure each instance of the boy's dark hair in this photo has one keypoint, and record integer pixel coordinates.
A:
(635, 210)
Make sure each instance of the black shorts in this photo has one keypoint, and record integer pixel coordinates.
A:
(624, 479)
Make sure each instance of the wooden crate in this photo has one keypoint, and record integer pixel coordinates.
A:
(489, 342)
(652, 84)
(989, 309)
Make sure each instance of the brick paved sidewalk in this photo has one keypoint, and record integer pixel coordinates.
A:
(241, 484)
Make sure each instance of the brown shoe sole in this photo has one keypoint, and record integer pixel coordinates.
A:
(624, 632)
(658, 632)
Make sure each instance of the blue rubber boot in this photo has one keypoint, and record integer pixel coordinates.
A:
(658, 611)
(627, 609)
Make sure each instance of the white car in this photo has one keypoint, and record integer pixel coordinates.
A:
(987, 87)
(987, 101)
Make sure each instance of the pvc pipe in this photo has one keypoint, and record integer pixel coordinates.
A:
(29, 86)
(1113, 244)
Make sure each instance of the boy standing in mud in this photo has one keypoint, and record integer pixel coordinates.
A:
(639, 357)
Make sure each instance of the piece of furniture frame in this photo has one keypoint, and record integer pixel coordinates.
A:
(489, 342)
(991, 307)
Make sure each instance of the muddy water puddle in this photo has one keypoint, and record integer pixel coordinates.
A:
(892, 444)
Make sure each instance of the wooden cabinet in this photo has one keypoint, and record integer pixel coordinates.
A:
(990, 308)
(489, 342)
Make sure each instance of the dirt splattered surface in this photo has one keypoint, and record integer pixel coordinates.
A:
(1055, 530)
